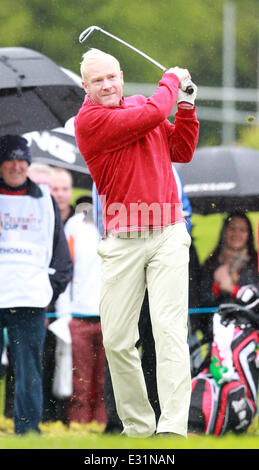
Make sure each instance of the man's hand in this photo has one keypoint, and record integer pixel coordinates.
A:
(180, 73)
(183, 96)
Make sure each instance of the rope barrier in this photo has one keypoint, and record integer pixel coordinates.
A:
(203, 310)
(191, 311)
(85, 315)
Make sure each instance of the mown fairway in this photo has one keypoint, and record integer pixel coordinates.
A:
(91, 436)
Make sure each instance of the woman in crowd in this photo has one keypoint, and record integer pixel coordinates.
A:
(232, 264)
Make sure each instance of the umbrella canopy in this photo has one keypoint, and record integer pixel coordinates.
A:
(35, 93)
(58, 148)
(220, 179)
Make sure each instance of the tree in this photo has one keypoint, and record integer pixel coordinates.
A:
(187, 33)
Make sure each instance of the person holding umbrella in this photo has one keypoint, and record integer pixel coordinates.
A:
(129, 145)
(35, 269)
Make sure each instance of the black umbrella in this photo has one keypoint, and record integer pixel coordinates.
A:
(58, 148)
(35, 93)
(220, 179)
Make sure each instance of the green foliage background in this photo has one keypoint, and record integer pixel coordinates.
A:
(187, 33)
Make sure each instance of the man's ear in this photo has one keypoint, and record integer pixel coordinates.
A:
(121, 72)
(85, 87)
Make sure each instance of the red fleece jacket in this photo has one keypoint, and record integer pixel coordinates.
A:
(129, 151)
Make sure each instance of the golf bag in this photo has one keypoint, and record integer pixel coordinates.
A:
(225, 386)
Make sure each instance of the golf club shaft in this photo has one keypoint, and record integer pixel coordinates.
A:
(84, 35)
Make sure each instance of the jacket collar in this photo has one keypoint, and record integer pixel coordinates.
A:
(32, 189)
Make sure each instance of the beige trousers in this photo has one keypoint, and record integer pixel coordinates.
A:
(158, 261)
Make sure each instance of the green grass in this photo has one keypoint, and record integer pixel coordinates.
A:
(93, 441)
(120, 442)
(91, 436)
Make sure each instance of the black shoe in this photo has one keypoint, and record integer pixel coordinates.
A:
(113, 429)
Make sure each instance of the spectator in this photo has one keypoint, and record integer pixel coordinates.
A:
(36, 268)
(81, 301)
(186, 205)
(84, 203)
(97, 211)
(40, 174)
(194, 265)
(232, 264)
(61, 186)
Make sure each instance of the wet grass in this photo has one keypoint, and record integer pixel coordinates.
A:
(90, 436)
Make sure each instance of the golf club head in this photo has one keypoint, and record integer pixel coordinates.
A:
(84, 35)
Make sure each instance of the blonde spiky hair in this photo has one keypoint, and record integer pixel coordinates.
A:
(94, 55)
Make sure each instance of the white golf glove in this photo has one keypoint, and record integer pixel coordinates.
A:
(183, 95)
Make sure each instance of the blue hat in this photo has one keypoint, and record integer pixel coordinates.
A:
(14, 147)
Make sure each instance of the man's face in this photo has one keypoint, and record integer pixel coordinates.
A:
(61, 190)
(104, 82)
(14, 172)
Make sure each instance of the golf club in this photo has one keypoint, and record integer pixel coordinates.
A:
(188, 88)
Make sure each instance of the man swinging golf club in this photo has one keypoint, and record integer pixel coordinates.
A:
(129, 146)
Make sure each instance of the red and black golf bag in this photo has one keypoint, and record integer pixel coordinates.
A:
(225, 387)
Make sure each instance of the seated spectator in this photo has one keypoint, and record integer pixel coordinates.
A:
(232, 264)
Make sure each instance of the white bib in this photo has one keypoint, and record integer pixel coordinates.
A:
(26, 245)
